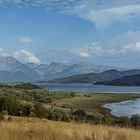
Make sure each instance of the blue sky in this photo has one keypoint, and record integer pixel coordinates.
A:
(98, 31)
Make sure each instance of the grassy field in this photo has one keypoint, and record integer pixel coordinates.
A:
(63, 106)
(36, 129)
(93, 103)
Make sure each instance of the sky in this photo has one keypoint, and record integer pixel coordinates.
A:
(71, 31)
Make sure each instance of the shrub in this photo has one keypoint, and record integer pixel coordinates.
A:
(80, 114)
(124, 121)
(107, 120)
(58, 115)
(72, 94)
(90, 117)
(10, 104)
(135, 121)
(1, 117)
(40, 110)
(2, 101)
(10, 118)
(26, 110)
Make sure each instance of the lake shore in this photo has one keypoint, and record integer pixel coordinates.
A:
(93, 103)
(90, 88)
(108, 111)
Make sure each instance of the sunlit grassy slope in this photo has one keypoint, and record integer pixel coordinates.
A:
(35, 129)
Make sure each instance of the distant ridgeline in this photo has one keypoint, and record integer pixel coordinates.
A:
(128, 77)
(13, 71)
(133, 80)
(27, 86)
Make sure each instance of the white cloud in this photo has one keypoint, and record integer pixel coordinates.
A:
(2, 53)
(84, 54)
(94, 49)
(97, 50)
(105, 12)
(25, 39)
(49, 3)
(100, 12)
(135, 48)
(123, 39)
(26, 56)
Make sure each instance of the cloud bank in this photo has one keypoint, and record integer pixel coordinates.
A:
(97, 50)
(102, 13)
(27, 57)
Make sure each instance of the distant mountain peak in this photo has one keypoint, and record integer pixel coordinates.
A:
(12, 65)
(32, 72)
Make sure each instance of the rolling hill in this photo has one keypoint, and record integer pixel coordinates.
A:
(96, 77)
(133, 80)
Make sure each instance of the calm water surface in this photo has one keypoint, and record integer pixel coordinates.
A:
(89, 88)
(125, 108)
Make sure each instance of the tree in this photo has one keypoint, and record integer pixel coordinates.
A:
(26, 110)
(10, 104)
(40, 110)
(2, 100)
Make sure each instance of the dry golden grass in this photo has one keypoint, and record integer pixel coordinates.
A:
(35, 129)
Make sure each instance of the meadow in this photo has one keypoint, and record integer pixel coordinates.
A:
(92, 103)
(27, 100)
(37, 129)
(37, 114)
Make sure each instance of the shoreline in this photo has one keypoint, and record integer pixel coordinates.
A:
(108, 111)
(94, 103)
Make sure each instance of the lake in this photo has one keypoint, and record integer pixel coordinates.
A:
(124, 108)
(90, 88)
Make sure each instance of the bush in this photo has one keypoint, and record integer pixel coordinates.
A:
(40, 110)
(10, 118)
(135, 121)
(26, 110)
(79, 114)
(72, 94)
(10, 104)
(1, 117)
(124, 121)
(107, 120)
(58, 115)
(2, 101)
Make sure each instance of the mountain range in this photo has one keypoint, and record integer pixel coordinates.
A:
(133, 80)
(58, 70)
(97, 78)
(12, 70)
